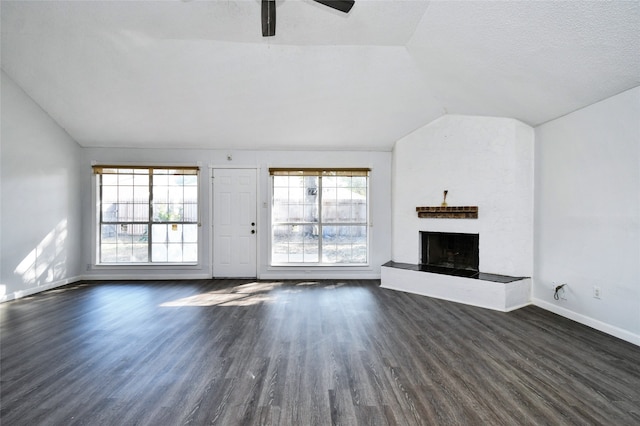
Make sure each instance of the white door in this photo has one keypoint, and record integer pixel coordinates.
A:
(234, 223)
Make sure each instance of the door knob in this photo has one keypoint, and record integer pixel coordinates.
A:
(253, 231)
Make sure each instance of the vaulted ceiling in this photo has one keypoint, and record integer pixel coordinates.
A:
(199, 74)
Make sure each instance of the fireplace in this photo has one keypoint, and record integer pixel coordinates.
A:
(449, 270)
(449, 253)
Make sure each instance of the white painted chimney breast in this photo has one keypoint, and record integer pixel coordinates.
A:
(482, 161)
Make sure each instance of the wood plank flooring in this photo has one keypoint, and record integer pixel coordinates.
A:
(241, 352)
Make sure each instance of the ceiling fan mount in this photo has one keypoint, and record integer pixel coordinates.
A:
(269, 13)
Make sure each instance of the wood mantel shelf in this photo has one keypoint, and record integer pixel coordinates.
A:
(458, 212)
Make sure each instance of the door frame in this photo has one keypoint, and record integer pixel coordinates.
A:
(259, 216)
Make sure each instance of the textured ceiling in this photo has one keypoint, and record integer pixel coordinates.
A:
(198, 74)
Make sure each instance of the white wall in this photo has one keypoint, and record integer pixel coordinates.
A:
(380, 206)
(40, 220)
(482, 161)
(587, 209)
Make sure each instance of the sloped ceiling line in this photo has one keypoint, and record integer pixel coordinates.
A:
(199, 74)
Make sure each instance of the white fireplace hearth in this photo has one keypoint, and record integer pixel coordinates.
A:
(497, 292)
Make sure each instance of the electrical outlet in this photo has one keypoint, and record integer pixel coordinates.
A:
(597, 293)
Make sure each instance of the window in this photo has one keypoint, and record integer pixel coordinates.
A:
(147, 214)
(319, 216)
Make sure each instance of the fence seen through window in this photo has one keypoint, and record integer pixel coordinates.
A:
(147, 214)
(319, 216)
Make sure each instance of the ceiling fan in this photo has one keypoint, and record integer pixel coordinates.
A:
(269, 13)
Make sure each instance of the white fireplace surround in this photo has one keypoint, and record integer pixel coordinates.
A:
(481, 161)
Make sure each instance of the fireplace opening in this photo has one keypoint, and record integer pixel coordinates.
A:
(451, 253)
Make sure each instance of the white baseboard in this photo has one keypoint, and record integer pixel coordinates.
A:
(590, 322)
(39, 289)
(102, 277)
(163, 276)
(145, 277)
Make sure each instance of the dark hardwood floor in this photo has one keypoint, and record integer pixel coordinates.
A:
(240, 352)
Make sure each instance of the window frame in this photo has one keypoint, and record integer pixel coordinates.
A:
(98, 170)
(320, 173)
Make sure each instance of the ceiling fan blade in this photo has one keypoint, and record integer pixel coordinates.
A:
(268, 18)
(341, 5)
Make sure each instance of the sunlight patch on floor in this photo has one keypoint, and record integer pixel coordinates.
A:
(243, 295)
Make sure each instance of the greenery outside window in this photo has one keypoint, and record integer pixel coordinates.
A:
(319, 216)
(147, 214)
